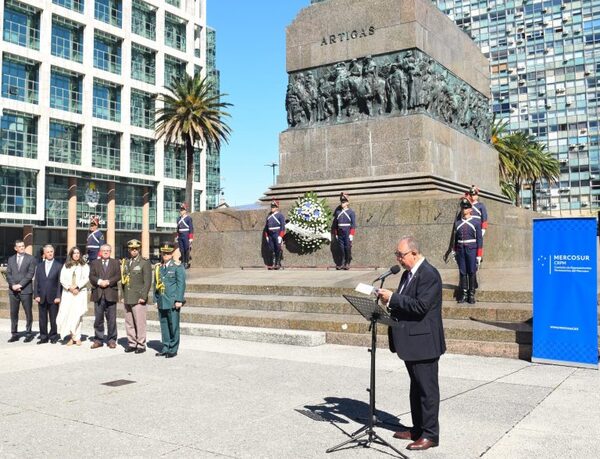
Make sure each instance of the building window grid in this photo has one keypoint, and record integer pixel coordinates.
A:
(65, 91)
(142, 109)
(143, 64)
(107, 101)
(176, 3)
(74, 5)
(109, 11)
(106, 149)
(175, 30)
(107, 53)
(65, 142)
(20, 79)
(18, 191)
(143, 20)
(129, 208)
(174, 69)
(18, 135)
(142, 154)
(21, 25)
(57, 201)
(174, 162)
(197, 166)
(67, 39)
(172, 199)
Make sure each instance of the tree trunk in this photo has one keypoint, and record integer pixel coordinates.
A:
(518, 193)
(534, 204)
(189, 174)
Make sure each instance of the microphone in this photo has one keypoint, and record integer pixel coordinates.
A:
(392, 271)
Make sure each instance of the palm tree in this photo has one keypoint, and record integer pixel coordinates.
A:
(192, 115)
(548, 167)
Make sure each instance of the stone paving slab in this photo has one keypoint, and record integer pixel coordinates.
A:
(226, 398)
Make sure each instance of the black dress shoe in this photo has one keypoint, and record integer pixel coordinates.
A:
(13, 338)
(54, 340)
(130, 349)
(140, 350)
(160, 354)
(42, 341)
(170, 355)
(28, 339)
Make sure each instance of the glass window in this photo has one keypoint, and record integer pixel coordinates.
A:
(19, 79)
(176, 3)
(175, 32)
(143, 20)
(18, 190)
(143, 64)
(174, 69)
(65, 142)
(130, 202)
(75, 5)
(197, 153)
(67, 39)
(57, 201)
(107, 53)
(18, 135)
(142, 109)
(142, 155)
(106, 149)
(109, 11)
(21, 24)
(213, 178)
(197, 198)
(65, 90)
(172, 199)
(174, 162)
(107, 101)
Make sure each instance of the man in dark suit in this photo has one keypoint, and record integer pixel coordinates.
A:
(47, 293)
(418, 339)
(19, 274)
(105, 274)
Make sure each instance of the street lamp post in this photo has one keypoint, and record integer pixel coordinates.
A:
(272, 166)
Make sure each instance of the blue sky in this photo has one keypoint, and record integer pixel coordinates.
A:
(251, 58)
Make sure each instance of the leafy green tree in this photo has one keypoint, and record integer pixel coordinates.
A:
(192, 115)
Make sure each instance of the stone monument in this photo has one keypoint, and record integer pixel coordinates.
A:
(388, 101)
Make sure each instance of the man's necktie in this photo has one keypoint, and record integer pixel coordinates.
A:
(19, 260)
(406, 281)
(105, 265)
(48, 266)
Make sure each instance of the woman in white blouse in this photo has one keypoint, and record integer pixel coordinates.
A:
(74, 277)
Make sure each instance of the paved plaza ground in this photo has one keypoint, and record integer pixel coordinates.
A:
(227, 398)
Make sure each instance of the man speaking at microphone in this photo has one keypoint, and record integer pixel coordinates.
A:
(418, 339)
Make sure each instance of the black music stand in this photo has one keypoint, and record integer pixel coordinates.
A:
(370, 309)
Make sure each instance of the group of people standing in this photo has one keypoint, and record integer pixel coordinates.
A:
(61, 292)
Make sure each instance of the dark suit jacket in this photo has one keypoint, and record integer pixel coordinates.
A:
(113, 275)
(48, 288)
(22, 276)
(419, 334)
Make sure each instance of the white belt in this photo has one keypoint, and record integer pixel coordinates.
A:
(344, 224)
(466, 241)
(183, 230)
(93, 246)
(272, 228)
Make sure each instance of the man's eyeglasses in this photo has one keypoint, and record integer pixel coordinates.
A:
(401, 255)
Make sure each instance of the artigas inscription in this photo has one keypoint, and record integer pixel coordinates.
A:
(346, 36)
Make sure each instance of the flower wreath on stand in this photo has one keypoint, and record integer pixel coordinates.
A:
(309, 220)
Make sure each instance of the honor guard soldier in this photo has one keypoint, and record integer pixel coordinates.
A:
(468, 248)
(344, 227)
(185, 235)
(274, 232)
(169, 291)
(94, 240)
(479, 210)
(136, 280)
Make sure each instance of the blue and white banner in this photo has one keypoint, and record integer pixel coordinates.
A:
(565, 290)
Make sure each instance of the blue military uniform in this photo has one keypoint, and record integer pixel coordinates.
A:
(274, 232)
(468, 246)
(479, 209)
(344, 228)
(185, 236)
(169, 288)
(94, 240)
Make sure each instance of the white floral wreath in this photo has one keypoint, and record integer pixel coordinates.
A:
(310, 220)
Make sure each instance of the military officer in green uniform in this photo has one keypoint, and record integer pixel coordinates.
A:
(136, 280)
(169, 285)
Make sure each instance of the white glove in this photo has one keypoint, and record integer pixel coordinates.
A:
(267, 238)
(483, 232)
(453, 254)
(279, 240)
(478, 261)
(351, 237)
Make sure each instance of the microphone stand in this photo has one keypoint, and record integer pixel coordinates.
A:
(368, 429)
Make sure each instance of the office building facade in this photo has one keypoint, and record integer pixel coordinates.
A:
(544, 60)
(78, 100)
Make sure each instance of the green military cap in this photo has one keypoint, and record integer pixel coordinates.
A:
(133, 244)
(167, 247)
